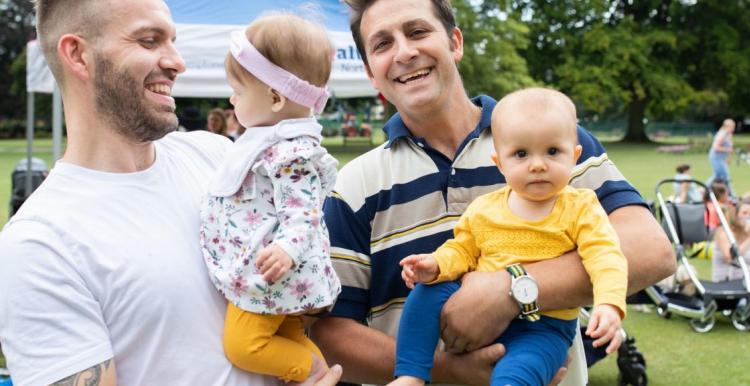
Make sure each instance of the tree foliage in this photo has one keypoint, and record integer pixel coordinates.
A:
(492, 63)
(16, 28)
(662, 59)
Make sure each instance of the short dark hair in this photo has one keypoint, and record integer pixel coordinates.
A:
(682, 168)
(55, 18)
(442, 8)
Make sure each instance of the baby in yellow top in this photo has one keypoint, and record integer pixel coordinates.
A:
(536, 216)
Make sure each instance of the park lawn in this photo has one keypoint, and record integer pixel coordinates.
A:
(675, 355)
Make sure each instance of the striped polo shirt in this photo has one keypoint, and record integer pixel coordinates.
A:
(404, 197)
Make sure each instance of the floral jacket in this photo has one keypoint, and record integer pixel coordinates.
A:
(279, 201)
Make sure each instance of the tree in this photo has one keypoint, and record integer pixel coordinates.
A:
(492, 63)
(16, 28)
(717, 54)
(619, 53)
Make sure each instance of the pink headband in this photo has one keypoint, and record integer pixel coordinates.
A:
(279, 79)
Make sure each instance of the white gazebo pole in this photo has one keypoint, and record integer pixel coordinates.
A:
(56, 124)
(29, 139)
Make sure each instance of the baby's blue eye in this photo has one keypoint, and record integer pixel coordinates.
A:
(520, 153)
(553, 151)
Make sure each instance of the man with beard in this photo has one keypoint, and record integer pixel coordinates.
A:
(101, 278)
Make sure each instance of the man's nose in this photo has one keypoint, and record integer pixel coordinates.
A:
(172, 60)
(405, 51)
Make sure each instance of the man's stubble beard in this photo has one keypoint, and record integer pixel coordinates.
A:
(120, 101)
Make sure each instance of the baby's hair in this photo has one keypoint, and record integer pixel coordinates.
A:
(533, 102)
(297, 45)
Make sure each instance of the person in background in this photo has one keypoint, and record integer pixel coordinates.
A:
(191, 119)
(234, 129)
(686, 192)
(216, 122)
(721, 192)
(722, 266)
(720, 152)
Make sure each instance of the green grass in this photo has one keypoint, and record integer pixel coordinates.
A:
(675, 355)
(10, 152)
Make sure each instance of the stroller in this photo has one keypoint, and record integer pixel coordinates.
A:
(684, 224)
(19, 194)
(630, 361)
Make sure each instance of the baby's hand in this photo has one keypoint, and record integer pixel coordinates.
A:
(604, 326)
(273, 262)
(419, 269)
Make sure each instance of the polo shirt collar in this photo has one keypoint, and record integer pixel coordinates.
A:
(395, 128)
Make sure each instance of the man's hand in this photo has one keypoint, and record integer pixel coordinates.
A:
(604, 326)
(478, 312)
(273, 262)
(419, 269)
(471, 368)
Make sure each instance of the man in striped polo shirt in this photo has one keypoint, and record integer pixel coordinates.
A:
(405, 196)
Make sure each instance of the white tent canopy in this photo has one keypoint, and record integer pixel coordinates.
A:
(203, 28)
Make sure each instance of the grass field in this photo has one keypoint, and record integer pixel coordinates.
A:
(675, 355)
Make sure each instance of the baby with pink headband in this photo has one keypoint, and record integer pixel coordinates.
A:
(262, 234)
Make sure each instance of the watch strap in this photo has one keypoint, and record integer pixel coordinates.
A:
(529, 311)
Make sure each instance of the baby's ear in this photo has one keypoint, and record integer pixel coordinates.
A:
(278, 101)
(577, 153)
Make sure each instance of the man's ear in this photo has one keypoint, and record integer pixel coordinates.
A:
(577, 153)
(278, 101)
(76, 56)
(457, 44)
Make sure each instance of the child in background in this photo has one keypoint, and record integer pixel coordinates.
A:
(263, 237)
(711, 217)
(536, 216)
(686, 192)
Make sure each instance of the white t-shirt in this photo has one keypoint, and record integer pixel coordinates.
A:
(104, 265)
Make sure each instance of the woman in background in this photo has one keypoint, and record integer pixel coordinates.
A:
(719, 154)
(722, 266)
(217, 124)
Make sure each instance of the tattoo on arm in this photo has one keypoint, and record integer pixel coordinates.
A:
(89, 377)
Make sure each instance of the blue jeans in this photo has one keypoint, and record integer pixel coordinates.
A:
(721, 171)
(535, 351)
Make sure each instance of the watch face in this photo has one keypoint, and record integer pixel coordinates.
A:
(525, 290)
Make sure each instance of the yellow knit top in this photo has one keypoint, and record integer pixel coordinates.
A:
(489, 237)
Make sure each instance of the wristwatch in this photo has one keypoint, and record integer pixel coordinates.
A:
(525, 290)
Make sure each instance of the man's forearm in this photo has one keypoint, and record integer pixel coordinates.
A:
(564, 283)
(367, 355)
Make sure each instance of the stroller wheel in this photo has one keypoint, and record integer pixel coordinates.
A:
(663, 312)
(740, 325)
(634, 376)
(703, 326)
